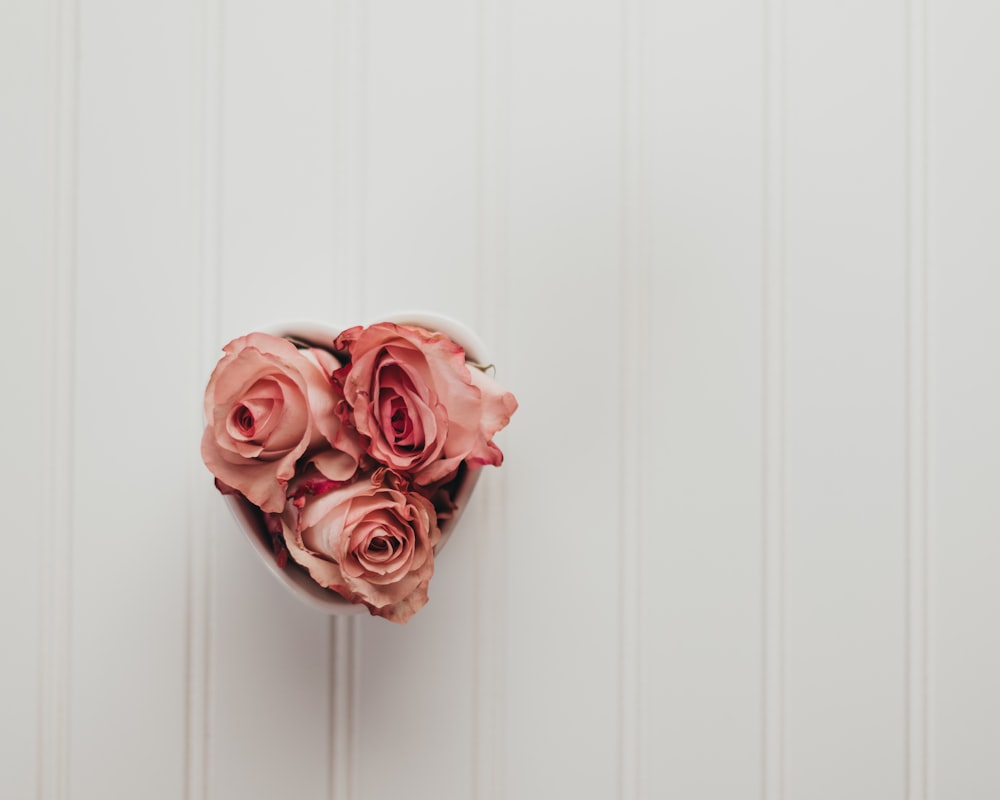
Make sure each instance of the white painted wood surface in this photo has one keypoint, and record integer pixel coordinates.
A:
(739, 263)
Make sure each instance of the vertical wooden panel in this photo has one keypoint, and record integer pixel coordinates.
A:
(28, 102)
(136, 340)
(490, 518)
(350, 47)
(635, 380)
(420, 203)
(420, 252)
(564, 344)
(845, 402)
(701, 565)
(964, 453)
(917, 428)
(204, 525)
(55, 582)
(270, 661)
(773, 462)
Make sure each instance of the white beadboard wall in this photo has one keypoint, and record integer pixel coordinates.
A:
(738, 261)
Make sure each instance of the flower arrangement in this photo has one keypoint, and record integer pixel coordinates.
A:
(353, 455)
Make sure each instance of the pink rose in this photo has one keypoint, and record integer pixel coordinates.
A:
(423, 410)
(370, 541)
(266, 405)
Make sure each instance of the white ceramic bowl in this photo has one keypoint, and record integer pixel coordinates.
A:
(293, 577)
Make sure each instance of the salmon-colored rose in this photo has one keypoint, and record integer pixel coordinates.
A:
(412, 395)
(267, 404)
(370, 541)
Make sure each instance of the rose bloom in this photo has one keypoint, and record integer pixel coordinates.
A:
(369, 540)
(267, 404)
(412, 395)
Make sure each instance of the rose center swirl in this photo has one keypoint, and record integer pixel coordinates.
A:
(247, 417)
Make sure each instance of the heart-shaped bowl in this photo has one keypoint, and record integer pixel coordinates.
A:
(296, 578)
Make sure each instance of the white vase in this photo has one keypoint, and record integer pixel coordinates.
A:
(292, 576)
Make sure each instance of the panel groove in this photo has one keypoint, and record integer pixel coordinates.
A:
(916, 756)
(350, 153)
(635, 291)
(773, 402)
(56, 576)
(491, 290)
(844, 373)
(207, 96)
(565, 243)
(343, 707)
(357, 152)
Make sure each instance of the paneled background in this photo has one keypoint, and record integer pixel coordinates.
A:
(740, 263)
